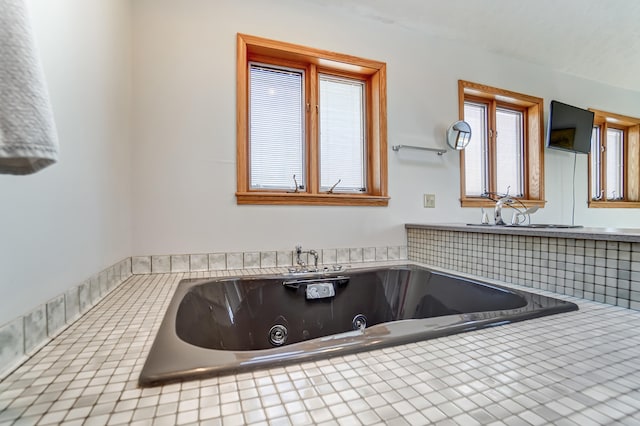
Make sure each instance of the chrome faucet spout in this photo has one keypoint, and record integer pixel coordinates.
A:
(315, 258)
(299, 260)
(302, 265)
(497, 216)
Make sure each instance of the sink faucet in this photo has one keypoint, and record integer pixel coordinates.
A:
(301, 262)
(502, 201)
(521, 214)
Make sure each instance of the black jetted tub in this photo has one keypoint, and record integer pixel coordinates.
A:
(224, 325)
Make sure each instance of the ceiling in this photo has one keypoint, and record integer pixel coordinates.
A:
(594, 39)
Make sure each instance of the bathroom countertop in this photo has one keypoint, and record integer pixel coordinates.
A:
(631, 235)
(575, 368)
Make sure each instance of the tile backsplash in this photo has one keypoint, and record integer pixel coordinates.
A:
(254, 260)
(23, 336)
(603, 271)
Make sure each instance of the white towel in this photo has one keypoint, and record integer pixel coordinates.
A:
(28, 140)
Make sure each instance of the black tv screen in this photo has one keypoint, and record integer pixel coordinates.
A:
(569, 128)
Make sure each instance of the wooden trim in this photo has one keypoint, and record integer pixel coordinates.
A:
(603, 204)
(314, 61)
(614, 119)
(377, 163)
(373, 155)
(343, 74)
(535, 149)
(290, 198)
(280, 62)
(381, 86)
(489, 92)
(625, 163)
(483, 202)
(463, 177)
(492, 149)
(242, 109)
(323, 58)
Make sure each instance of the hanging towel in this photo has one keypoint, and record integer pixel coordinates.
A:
(28, 140)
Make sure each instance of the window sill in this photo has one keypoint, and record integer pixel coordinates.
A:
(484, 202)
(291, 198)
(614, 204)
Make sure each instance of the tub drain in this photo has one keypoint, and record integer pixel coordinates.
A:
(278, 335)
(359, 322)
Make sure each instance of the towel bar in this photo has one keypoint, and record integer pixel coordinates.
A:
(439, 151)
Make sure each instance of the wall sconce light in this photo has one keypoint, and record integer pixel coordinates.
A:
(459, 135)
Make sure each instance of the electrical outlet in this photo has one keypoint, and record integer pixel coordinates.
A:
(429, 201)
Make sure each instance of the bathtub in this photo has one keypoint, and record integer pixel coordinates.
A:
(227, 325)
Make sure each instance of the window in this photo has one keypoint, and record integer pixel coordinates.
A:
(311, 126)
(275, 114)
(342, 136)
(505, 152)
(614, 161)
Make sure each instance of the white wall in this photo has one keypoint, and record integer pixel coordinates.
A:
(184, 144)
(71, 220)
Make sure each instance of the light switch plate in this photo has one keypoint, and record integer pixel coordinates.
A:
(429, 201)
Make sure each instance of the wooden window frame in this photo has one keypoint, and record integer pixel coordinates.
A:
(631, 159)
(533, 150)
(314, 62)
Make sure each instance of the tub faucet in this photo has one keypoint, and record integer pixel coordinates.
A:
(301, 262)
(315, 258)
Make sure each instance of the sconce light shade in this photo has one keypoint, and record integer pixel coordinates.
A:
(459, 135)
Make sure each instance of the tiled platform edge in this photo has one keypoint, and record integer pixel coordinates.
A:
(603, 271)
(23, 336)
(160, 264)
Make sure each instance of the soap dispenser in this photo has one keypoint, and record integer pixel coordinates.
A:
(485, 217)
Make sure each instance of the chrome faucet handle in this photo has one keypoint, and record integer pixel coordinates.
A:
(315, 257)
(299, 260)
(485, 216)
(518, 218)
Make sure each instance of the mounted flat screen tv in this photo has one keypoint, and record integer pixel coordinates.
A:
(569, 128)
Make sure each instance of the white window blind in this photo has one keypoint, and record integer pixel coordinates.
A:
(509, 147)
(614, 154)
(342, 134)
(475, 154)
(276, 127)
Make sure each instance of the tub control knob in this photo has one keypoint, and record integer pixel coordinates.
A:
(359, 322)
(278, 335)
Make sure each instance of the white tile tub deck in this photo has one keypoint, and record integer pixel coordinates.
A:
(579, 368)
